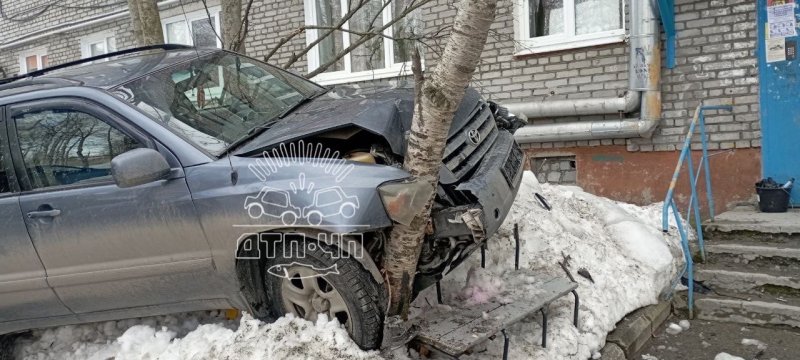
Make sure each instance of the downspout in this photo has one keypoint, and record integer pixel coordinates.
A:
(644, 76)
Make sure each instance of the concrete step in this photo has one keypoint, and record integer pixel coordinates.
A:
(744, 219)
(747, 282)
(750, 257)
(747, 312)
(755, 238)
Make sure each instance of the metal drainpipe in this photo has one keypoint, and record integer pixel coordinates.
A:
(644, 74)
(554, 108)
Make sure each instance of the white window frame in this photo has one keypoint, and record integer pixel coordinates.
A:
(106, 37)
(391, 69)
(563, 41)
(23, 65)
(188, 18)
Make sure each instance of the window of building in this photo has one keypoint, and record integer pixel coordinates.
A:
(64, 147)
(195, 28)
(378, 57)
(98, 44)
(552, 25)
(33, 60)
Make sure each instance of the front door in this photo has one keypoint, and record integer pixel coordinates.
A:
(104, 247)
(779, 76)
(24, 293)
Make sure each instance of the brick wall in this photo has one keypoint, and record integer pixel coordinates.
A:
(555, 169)
(715, 62)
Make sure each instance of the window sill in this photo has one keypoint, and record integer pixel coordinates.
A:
(341, 77)
(528, 47)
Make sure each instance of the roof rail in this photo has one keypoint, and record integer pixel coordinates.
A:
(40, 81)
(95, 58)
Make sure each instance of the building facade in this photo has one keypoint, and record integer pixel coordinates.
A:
(539, 51)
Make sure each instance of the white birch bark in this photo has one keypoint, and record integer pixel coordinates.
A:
(441, 93)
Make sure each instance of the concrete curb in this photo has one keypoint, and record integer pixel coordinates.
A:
(634, 330)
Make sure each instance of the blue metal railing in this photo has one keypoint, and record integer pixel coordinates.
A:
(694, 203)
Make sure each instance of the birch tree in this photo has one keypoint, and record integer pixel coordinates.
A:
(438, 97)
(234, 24)
(146, 22)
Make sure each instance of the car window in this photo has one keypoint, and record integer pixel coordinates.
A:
(63, 147)
(4, 184)
(217, 100)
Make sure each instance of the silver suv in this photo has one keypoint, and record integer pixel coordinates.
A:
(170, 179)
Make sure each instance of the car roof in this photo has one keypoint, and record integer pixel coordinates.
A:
(103, 72)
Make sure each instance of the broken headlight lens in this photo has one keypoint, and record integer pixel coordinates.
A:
(404, 200)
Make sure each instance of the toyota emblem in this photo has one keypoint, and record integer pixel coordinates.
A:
(474, 136)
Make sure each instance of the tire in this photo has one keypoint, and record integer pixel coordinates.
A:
(7, 344)
(363, 297)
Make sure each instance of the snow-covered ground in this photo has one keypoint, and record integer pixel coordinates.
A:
(621, 245)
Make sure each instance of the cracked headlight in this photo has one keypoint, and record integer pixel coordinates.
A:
(403, 200)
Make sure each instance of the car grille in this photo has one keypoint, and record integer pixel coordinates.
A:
(466, 148)
(512, 164)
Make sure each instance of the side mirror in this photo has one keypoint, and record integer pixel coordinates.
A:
(138, 167)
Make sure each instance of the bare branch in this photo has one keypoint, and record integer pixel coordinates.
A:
(319, 39)
(283, 41)
(242, 34)
(210, 23)
(363, 39)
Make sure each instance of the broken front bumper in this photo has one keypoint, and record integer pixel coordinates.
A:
(493, 185)
(462, 229)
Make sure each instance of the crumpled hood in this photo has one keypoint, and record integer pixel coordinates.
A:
(383, 110)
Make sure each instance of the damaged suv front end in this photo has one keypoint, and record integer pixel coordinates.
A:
(288, 156)
(478, 181)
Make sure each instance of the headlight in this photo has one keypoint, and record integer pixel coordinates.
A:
(403, 200)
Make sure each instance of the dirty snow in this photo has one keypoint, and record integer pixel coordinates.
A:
(184, 337)
(753, 342)
(621, 246)
(726, 356)
(674, 329)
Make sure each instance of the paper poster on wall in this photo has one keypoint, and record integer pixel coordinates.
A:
(782, 21)
(776, 49)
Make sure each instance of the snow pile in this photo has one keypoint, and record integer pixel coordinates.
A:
(481, 287)
(620, 246)
(169, 338)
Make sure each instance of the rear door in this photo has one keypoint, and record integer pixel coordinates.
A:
(104, 247)
(24, 293)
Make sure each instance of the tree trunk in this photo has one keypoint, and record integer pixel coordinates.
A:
(232, 26)
(441, 95)
(133, 8)
(146, 22)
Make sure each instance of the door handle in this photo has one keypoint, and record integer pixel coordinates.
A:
(44, 214)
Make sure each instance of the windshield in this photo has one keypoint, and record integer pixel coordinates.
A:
(219, 99)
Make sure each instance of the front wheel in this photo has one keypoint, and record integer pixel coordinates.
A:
(303, 279)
